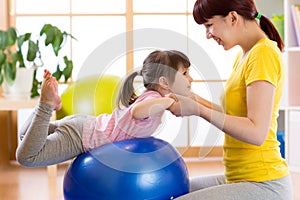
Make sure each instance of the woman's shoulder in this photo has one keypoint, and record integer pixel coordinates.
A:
(265, 45)
(263, 49)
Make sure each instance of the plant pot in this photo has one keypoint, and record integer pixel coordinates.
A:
(21, 88)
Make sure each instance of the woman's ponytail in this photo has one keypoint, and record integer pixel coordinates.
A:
(268, 27)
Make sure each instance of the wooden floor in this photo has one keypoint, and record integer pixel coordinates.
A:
(18, 183)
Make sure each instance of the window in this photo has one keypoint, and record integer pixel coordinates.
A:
(106, 43)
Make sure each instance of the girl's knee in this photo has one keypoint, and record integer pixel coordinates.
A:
(24, 159)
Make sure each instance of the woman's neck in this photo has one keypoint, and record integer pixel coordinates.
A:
(253, 34)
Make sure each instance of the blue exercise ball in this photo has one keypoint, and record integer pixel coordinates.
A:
(142, 168)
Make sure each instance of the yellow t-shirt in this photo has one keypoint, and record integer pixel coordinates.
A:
(243, 161)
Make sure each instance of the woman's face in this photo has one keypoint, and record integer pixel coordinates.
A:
(182, 82)
(219, 28)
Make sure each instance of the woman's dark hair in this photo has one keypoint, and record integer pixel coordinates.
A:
(157, 64)
(206, 9)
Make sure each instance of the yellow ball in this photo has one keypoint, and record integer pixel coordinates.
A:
(91, 95)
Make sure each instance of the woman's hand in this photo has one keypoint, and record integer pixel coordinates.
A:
(172, 96)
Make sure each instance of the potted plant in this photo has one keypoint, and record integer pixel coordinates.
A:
(20, 52)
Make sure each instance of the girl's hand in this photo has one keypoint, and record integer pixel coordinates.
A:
(184, 106)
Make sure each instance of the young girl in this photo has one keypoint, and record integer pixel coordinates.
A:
(43, 143)
(254, 168)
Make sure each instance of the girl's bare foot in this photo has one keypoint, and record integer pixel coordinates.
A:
(49, 91)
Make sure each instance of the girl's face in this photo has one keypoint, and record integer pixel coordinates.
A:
(182, 82)
(219, 28)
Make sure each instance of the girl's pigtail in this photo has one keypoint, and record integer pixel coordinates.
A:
(127, 95)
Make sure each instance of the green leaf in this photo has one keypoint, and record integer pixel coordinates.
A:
(57, 41)
(20, 59)
(10, 72)
(12, 36)
(2, 58)
(3, 40)
(45, 28)
(50, 35)
(32, 50)
(14, 58)
(21, 39)
(57, 74)
(2, 62)
(1, 78)
(67, 71)
(34, 89)
(35, 86)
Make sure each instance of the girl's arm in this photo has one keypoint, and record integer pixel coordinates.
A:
(149, 107)
(252, 129)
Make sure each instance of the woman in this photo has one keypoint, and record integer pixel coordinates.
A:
(254, 168)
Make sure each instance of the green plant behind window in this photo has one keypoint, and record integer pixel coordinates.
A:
(13, 55)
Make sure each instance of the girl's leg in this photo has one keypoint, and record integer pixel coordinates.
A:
(280, 189)
(39, 148)
(27, 123)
